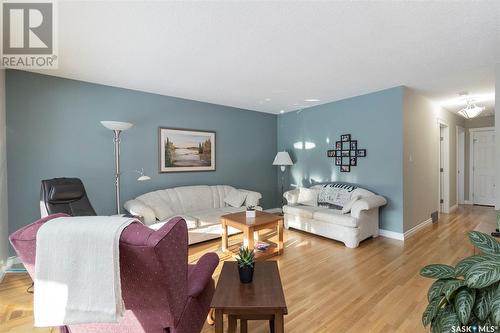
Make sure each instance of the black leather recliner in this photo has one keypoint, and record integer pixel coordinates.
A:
(64, 195)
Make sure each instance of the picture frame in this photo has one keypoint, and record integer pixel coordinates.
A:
(345, 168)
(338, 145)
(361, 153)
(331, 153)
(186, 150)
(353, 161)
(354, 144)
(345, 137)
(345, 153)
(338, 161)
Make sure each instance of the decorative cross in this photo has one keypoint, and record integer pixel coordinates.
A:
(346, 153)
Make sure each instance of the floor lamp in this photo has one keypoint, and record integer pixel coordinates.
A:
(282, 159)
(117, 127)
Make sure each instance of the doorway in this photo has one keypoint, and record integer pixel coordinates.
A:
(460, 165)
(482, 166)
(443, 167)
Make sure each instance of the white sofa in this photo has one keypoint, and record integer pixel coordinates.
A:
(352, 226)
(201, 206)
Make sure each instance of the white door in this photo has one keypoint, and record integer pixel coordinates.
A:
(483, 167)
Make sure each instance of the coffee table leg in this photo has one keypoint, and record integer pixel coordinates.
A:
(224, 236)
(280, 236)
(279, 324)
(219, 321)
(243, 326)
(232, 324)
(248, 237)
(271, 325)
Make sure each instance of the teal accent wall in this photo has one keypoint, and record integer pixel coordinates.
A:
(375, 120)
(53, 130)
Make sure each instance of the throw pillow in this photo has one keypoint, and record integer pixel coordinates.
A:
(308, 197)
(348, 205)
(235, 198)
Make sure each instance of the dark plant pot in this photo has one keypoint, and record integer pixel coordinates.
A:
(246, 274)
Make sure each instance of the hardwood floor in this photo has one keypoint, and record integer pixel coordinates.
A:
(328, 287)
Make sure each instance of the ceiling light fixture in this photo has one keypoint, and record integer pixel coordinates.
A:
(471, 110)
(311, 100)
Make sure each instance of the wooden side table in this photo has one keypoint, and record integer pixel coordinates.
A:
(262, 299)
(250, 225)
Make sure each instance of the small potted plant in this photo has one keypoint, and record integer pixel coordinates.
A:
(246, 264)
(250, 211)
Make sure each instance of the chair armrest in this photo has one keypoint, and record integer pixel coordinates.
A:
(201, 275)
(292, 196)
(252, 198)
(136, 207)
(367, 203)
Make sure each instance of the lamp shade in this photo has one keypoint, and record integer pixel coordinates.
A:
(282, 158)
(116, 125)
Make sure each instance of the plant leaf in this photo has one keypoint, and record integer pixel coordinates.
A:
(464, 301)
(481, 306)
(435, 289)
(495, 306)
(483, 274)
(485, 243)
(431, 311)
(450, 286)
(448, 319)
(438, 271)
(465, 264)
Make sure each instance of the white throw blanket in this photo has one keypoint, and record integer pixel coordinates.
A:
(77, 271)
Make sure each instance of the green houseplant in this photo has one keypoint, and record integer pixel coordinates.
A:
(467, 295)
(246, 264)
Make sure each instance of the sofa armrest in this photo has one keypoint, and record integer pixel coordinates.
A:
(367, 203)
(292, 196)
(252, 198)
(201, 274)
(136, 207)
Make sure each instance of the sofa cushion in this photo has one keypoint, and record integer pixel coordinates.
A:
(348, 205)
(191, 222)
(235, 198)
(300, 210)
(335, 194)
(335, 216)
(308, 196)
(160, 207)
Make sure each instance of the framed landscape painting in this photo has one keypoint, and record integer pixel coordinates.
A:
(184, 150)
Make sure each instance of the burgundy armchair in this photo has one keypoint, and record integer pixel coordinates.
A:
(161, 291)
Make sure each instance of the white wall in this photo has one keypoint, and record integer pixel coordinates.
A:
(497, 136)
(4, 249)
(420, 157)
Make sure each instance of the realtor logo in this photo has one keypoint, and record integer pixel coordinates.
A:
(28, 36)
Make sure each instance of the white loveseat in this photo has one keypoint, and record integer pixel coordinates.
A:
(201, 206)
(355, 219)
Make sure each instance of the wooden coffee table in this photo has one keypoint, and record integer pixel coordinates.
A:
(250, 225)
(262, 299)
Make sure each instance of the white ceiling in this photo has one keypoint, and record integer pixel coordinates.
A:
(271, 56)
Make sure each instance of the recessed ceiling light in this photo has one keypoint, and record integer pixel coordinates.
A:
(312, 100)
(282, 111)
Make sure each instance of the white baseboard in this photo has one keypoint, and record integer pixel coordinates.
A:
(468, 202)
(8, 264)
(419, 226)
(391, 234)
(453, 208)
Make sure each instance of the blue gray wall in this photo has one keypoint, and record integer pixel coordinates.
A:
(53, 130)
(375, 120)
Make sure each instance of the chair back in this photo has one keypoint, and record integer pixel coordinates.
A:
(64, 195)
(153, 267)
